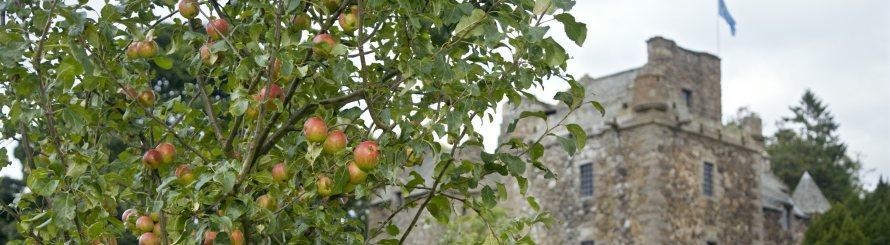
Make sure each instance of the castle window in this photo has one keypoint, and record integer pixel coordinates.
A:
(588, 242)
(687, 97)
(711, 243)
(586, 176)
(708, 179)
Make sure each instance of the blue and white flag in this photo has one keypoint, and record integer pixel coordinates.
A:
(724, 13)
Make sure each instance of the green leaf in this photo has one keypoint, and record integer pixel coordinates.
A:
(470, 23)
(533, 203)
(515, 165)
(239, 107)
(576, 31)
(488, 198)
(567, 144)
(4, 159)
(42, 182)
(554, 54)
(392, 230)
(599, 107)
(578, 135)
(536, 151)
(440, 208)
(542, 6)
(164, 62)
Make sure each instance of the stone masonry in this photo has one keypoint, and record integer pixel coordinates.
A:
(648, 154)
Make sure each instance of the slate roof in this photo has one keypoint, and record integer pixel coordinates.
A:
(808, 197)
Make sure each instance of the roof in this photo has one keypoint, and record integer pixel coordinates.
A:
(808, 197)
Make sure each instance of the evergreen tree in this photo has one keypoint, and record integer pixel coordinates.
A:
(808, 141)
(836, 226)
(873, 214)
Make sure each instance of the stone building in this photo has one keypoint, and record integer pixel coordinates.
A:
(660, 167)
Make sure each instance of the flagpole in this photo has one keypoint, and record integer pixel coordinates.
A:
(717, 29)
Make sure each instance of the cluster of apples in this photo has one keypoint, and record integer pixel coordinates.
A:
(334, 142)
(142, 49)
(161, 155)
(147, 224)
(146, 97)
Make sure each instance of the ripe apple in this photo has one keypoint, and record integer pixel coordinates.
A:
(279, 172)
(209, 237)
(267, 202)
(271, 91)
(348, 21)
(356, 175)
(300, 22)
(147, 49)
(152, 159)
(323, 185)
(168, 152)
(144, 223)
(217, 28)
(332, 5)
(208, 57)
(188, 8)
(335, 142)
(133, 50)
(323, 44)
(365, 155)
(315, 130)
(184, 174)
(147, 98)
(149, 238)
(236, 237)
(157, 229)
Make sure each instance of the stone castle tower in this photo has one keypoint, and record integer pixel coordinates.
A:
(659, 168)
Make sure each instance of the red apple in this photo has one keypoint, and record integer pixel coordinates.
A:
(145, 224)
(315, 130)
(365, 155)
(271, 91)
(356, 175)
(322, 44)
(147, 49)
(279, 172)
(133, 50)
(236, 237)
(335, 142)
(207, 56)
(217, 28)
(152, 159)
(147, 98)
(188, 8)
(267, 202)
(209, 237)
(168, 152)
(348, 21)
(149, 238)
(300, 22)
(323, 186)
(184, 174)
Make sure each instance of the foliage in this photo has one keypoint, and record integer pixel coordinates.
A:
(836, 226)
(411, 73)
(11, 188)
(473, 229)
(809, 142)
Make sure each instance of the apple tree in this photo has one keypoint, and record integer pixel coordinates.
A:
(295, 113)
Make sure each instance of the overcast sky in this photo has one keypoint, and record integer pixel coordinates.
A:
(839, 49)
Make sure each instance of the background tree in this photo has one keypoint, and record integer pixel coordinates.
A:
(808, 141)
(836, 226)
(243, 154)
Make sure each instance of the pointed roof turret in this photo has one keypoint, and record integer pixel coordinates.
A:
(808, 197)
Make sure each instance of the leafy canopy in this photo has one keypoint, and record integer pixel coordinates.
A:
(82, 93)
